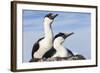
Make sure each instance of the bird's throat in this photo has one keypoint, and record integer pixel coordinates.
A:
(48, 33)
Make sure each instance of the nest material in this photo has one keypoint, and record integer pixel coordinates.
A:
(75, 57)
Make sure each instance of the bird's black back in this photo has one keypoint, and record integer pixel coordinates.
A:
(49, 53)
(36, 47)
(70, 52)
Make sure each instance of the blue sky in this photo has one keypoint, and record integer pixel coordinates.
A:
(76, 22)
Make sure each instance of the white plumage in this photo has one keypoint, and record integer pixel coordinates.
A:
(43, 45)
(58, 50)
(61, 51)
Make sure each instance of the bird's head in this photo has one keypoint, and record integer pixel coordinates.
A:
(49, 18)
(60, 37)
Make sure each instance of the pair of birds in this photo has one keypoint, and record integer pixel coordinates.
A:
(49, 46)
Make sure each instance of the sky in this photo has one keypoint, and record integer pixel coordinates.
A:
(77, 22)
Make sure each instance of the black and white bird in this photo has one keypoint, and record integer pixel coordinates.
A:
(45, 43)
(58, 50)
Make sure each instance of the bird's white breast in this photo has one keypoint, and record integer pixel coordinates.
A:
(44, 46)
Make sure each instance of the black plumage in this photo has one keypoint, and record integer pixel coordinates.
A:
(52, 51)
(48, 19)
(60, 34)
(49, 53)
(70, 52)
(51, 16)
(36, 47)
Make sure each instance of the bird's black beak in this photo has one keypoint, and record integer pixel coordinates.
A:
(68, 34)
(53, 16)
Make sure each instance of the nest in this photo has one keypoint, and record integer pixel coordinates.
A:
(75, 57)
